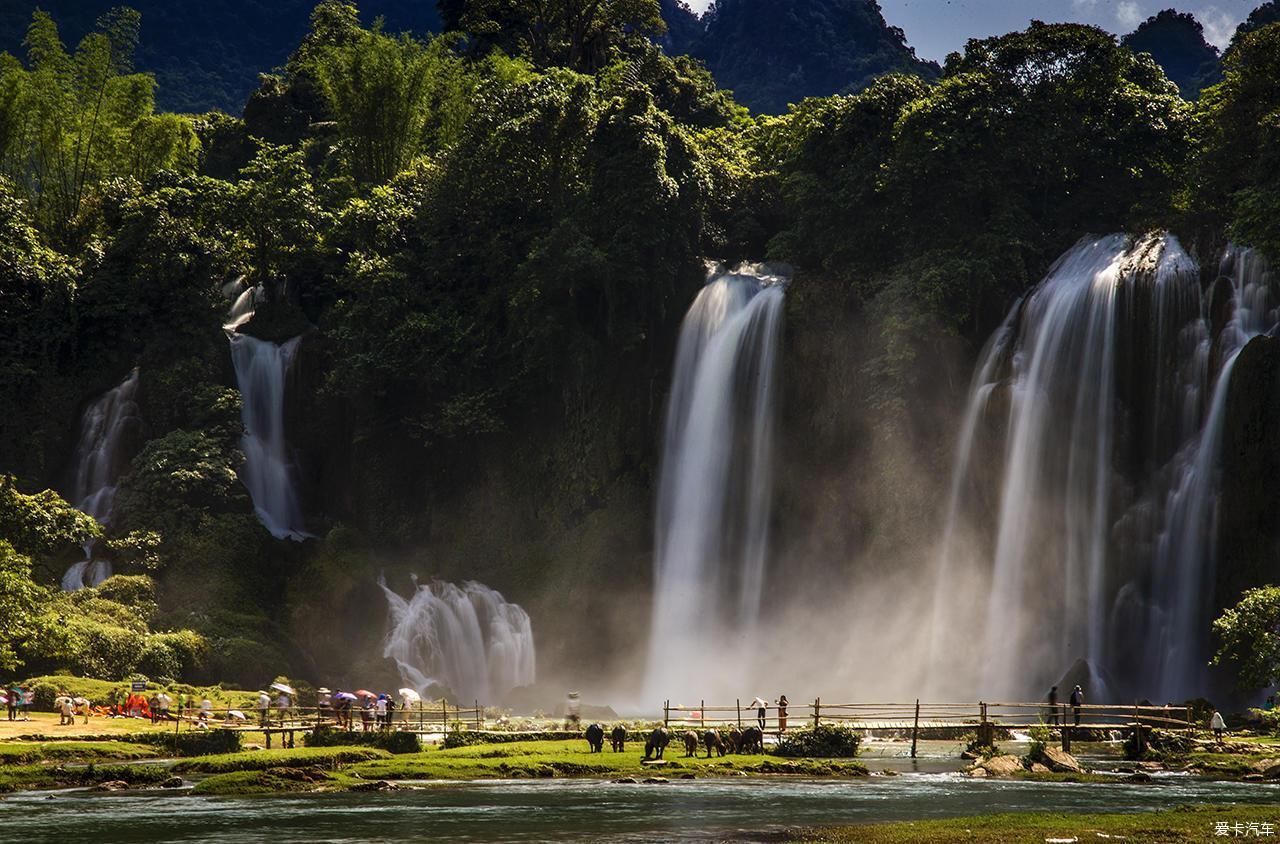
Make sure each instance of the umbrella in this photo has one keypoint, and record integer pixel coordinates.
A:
(57, 701)
(282, 687)
(344, 696)
(322, 691)
(80, 701)
(236, 713)
(365, 693)
(411, 695)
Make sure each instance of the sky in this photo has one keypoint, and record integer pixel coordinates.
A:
(938, 27)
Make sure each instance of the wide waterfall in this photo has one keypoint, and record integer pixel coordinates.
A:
(467, 641)
(262, 373)
(110, 434)
(712, 525)
(1081, 520)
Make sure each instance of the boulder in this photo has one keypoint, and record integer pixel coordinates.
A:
(970, 755)
(1002, 766)
(172, 782)
(112, 785)
(1037, 768)
(376, 785)
(1059, 761)
(977, 773)
(1269, 768)
(625, 781)
(656, 780)
(688, 776)
(1140, 776)
(1252, 778)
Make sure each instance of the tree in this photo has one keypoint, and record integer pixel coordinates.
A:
(579, 34)
(1249, 638)
(42, 525)
(21, 600)
(1176, 41)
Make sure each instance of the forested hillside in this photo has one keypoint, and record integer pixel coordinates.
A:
(486, 241)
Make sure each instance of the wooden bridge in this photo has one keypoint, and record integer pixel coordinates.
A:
(983, 719)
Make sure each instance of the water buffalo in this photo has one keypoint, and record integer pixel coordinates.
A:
(690, 743)
(734, 740)
(711, 739)
(595, 738)
(752, 741)
(618, 738)
(657, 743)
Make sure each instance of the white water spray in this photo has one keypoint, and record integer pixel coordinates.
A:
(464, 640)
(714, 496)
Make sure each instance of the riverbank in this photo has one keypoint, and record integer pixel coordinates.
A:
(1182, 824)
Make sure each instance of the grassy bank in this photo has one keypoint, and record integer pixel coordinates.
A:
(24, 752)
(1186, 824)
(261, 760)
(33, 777)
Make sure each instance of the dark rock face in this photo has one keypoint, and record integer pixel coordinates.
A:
(1248, 530)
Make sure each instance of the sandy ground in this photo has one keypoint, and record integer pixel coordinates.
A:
(46, 723)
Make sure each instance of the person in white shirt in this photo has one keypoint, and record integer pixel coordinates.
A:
(282, 706)
(381, 711)
(264, 707)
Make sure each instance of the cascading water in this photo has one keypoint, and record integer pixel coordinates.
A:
(713, 502)
(110, 434)
(465, 640)
(1107, 389)
(262, 374)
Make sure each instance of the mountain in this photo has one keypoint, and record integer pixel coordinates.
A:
(208, 55)
(775, 52)
(1176, 41)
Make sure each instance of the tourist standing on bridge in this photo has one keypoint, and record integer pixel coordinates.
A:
(1077, 700)
(782, 713)
(1053, 706)
(761, 708)
(264, 708)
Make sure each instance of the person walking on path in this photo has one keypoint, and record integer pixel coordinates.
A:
(15, 700)
(761, 707)
(1077, 700)
(282, 706)
(782, 713)
(264, 708)
(1053, 706)
(1218, 725)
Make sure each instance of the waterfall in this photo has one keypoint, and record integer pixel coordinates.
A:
(262, 373)
(466, 640)
(110, 434)
(712, 524)
(1112, 376)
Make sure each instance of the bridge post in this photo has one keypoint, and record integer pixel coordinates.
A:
(817, 712)
(1066, 736)
(666, 713)
(915, 729)
(702, 715)
(986, 731)
(737, 702)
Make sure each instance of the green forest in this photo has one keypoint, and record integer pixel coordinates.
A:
(487, 238)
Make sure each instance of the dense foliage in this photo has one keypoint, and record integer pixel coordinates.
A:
(1248, 635)
(1176, 41)
(485, 241)
(825, 741)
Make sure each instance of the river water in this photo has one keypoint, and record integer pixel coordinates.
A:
(579, 810)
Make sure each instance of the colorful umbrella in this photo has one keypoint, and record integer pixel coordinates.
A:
(236, 713)
(344, 696)
(411, 695)
(365, 693)
(281, 687)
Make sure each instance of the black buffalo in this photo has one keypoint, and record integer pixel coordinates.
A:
(711, 739)
(657, 743)
(595, 738)
(618, 738)
(752, 741)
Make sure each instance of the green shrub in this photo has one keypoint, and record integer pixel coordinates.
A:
(389, 740)
(1041, 736)
(823, 741)
(193, 743)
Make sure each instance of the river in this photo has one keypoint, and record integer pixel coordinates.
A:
(578, 810)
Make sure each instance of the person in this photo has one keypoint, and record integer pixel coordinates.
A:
(163, 702)
(15, 700)
(66, 710)
(391, 711)
(1271, 702)
(83, 705)
(380, 707)
(366, 714)
(282, 706)
(154, 706)
(761, 707)
(1053, 706)
(782, 714)
(206, 711)
(573, 711)
(264, 708)
(324, 704)
(1218, 725)
(1077, 700)
(28, 698)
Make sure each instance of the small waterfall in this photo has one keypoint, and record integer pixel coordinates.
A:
(1112, 377)
(714, 495)
(262, 373)
(110, 434)
(467, 640)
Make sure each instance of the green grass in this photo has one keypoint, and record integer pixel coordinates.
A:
(269, 781)
(542, 759)
(1182, 824)
(261, 760)
(22, 753)
(29, 777)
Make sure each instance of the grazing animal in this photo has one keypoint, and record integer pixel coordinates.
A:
(690, 743)
(657, 743)
(752, 741)
(595, 738)
(713, 741)
(735, 740)
(618, 738)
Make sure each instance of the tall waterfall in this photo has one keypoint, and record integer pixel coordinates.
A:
(467, 640)
(1101, 403)
(262, 373)
(712, 526)
(110, 434)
